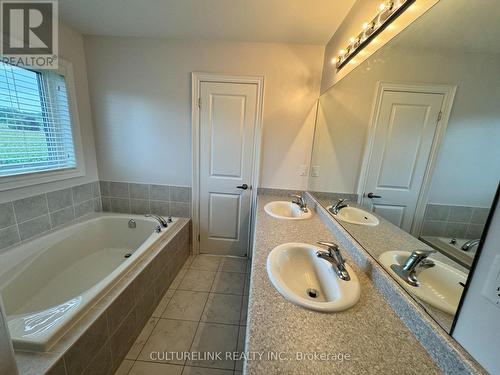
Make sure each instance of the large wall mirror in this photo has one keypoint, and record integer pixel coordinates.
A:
(411, 138)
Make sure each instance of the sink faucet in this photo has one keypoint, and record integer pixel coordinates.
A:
(469, 245)
(301, 202)
(416, 260)
(341, 203)
(335, 258)
(163, 222)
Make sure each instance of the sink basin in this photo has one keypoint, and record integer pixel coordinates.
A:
(308, 281)
(439, 285)
(286, 210)
(356, 215)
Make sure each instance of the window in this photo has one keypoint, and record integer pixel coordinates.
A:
(36, 133)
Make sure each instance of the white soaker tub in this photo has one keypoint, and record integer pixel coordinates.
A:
(47, 283)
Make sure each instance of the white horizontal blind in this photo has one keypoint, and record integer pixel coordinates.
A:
(35, 122)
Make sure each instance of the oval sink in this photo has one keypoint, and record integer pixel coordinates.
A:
(356, 215)
(308, 281)
(286, 210)
(439, 285)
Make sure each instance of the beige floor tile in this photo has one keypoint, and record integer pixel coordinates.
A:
(196, 280)
(169, 336)
(149, 368)
(186, 305)
(241, 347)
(162, 305)
(188, 261)
(244, 311)
(206, 263)
(170, 293)
(233, 265)
(205, 371)
(175, 283)
(222, 308)
(125, 367)
(136, 348)
(229, 283)
(212, 337)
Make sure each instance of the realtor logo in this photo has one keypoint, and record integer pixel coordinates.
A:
(29, 33)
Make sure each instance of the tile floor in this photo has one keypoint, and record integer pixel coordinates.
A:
(204, 310)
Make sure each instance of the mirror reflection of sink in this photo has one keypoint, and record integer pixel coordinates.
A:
(355, 215)
(286, 210)
(439, 285)
(308, 281)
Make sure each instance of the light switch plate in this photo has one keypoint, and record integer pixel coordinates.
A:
(315, 171)
(491, 289)
(303, 169)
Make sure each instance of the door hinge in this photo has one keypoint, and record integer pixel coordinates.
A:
(440, 115)
(199, 102)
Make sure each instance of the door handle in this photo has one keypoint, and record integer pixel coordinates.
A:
(243, 187)
(371, 195)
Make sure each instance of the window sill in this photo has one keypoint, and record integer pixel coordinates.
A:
(14, 182)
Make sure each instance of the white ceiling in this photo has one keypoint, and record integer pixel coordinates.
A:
(285, 21)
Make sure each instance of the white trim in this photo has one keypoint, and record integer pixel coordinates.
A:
(196, 79)
(13, 182)
(449, 94)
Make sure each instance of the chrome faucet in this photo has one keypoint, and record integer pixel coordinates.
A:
(301, 202)
(417, 260)
(335, 258)
(161, 220)
(469, 245)
(341, 203)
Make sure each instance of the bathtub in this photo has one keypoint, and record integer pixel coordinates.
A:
(48, 282)
(451, 247)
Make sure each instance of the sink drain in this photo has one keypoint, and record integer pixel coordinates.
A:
(313, 293)
(127, 255)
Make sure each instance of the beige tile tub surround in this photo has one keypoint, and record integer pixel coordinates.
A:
(23, 219)
(100, 340)
(370, 332)
(139, 198)
(194, 321)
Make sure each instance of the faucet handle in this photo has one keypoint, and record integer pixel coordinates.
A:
(423, 253)
(332, 247)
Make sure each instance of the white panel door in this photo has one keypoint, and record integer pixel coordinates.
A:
(405, 129)
(227, 130)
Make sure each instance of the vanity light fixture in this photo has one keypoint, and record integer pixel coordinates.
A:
(388, 11)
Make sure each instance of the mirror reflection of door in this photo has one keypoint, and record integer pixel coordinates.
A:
(404, 130)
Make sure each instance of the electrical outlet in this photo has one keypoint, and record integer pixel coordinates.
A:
(303, 170)
(491, 289)
(315, 171)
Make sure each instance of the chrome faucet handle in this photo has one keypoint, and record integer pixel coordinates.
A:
(333, 248)
(423, 253)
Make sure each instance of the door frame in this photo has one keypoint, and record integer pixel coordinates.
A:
(448, 92)
(196, 79)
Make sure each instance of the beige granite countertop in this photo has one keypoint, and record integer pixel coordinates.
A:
(370, 333)
(388, 237)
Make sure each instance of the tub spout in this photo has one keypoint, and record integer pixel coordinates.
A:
(160, 219)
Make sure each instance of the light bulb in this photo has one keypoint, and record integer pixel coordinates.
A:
(365, 25)
(342, 51)
(381, 7)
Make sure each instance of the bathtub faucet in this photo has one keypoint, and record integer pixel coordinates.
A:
(160, 219)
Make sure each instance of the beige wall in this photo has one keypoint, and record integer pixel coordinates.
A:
(141, 98)
(70, 49)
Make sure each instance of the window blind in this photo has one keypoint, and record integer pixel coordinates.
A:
(35, 122)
